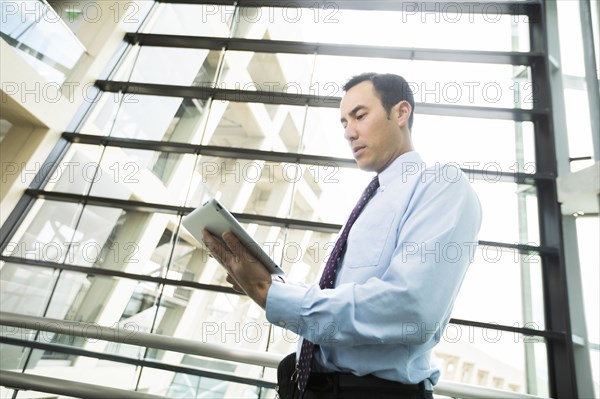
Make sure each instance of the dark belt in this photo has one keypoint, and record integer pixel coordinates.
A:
(324, 382)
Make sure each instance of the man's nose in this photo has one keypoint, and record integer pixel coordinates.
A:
(350, 132)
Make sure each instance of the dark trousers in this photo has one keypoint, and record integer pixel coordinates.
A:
(342, 385)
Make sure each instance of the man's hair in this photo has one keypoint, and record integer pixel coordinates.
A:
(390, 88)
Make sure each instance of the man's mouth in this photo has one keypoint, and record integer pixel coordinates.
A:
(357, 150)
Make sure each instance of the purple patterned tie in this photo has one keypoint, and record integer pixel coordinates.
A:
(328, 277)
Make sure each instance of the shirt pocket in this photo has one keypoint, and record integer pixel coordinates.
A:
(367, 240)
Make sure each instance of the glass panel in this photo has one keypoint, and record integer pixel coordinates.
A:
(502, 287)
(317, 191)
(476, 144)
(179, 385)
(99, 121)
(192, 386)
(141, 175)
(279, 73)
(25, 290)
(324, 134)
(493, 359)
(130, 241)
(304, 255)
(502, 146)
(167, 65)
(507, 214)
(577, 115)
(255, 126)
(131, 306)
(486, 85)
(172, 119)
(44, 41)
(146, 117)
(413, 26)
(189, 19)
(588, 236)
(244, 186)
(76, 170)
(13, 357)
(46, 232)
(570, 38)
(83, 369)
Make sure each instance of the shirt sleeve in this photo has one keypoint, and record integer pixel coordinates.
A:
(411, 301)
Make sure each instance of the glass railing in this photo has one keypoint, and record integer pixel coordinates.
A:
(42, 38)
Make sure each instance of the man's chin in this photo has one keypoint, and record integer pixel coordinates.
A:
(365, 166)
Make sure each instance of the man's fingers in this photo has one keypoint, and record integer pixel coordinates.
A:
(215, 246)
(236, 246)
(234, 284)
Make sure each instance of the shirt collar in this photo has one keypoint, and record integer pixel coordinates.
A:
(407, 163)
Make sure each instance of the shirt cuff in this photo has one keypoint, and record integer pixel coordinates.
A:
(284, 302)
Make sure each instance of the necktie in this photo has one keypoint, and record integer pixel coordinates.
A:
(328, 277)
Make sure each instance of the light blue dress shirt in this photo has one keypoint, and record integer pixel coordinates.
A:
(406, 257)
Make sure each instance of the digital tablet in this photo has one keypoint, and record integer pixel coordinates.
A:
(216, 218)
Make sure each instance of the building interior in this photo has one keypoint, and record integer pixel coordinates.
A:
(120, 117)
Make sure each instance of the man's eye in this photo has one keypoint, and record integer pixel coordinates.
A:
(360, 117)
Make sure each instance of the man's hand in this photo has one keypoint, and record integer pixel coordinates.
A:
(244, 271)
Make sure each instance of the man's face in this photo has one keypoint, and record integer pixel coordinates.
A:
(375, 139)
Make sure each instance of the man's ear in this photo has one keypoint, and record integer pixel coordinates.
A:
(402, 112)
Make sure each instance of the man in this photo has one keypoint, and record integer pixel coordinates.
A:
(370, 330)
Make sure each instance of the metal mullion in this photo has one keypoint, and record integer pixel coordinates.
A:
(242, 217)
(550, 335)
(117, 273)
(560, 353)
(105, 201)
(174, 209)
(523, 7)
(274, 156)
(521, 248)
(209, 150)
(70, 350)
(281, 98)
(347, 50)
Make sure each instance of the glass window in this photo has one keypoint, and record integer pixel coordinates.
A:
(303, 257)
(191, 19)
(25, 290)
(254, 125)
(507, 214)
(243, 186)
(146, 118)
(159, 382)
(588, 236)
(502, 287)
(324, 134)
(42, 38)
(476, 144)
(317, 191)
(106, 373)
(411, 26)
(273, 73)
(46, 232)
(130, 241)
(500, 356)
(169, 65)
(142, 175)
(486, 85)
(76, 171)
